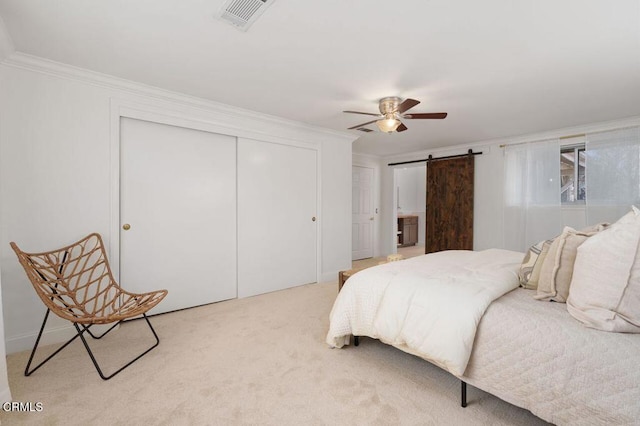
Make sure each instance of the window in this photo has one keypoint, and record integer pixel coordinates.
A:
(573, 188)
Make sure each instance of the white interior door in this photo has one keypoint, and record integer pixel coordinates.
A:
(363, 215)
(277, 226)
(178, 194)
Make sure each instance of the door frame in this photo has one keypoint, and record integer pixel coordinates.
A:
(191, 119)
(394, 215)
(374, 195)
(371, 163)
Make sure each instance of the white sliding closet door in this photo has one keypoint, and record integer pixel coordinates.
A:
(277, 226)
(178, 195)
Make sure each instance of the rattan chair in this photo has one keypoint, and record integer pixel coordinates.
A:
(76, 283)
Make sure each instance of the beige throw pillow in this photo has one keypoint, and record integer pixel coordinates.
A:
(605, 288)
(528, 263)
(535, 274)
(557, 270)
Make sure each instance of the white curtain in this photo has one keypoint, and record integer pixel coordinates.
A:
(531, 194)
(612, 174)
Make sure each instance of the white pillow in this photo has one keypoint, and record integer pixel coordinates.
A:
(605, 286)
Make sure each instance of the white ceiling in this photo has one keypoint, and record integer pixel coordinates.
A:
(499, 67)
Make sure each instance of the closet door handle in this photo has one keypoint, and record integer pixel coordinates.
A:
(313, 218)
(126, 226)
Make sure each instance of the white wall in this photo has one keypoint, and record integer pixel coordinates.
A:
(56, 165)
(6, 44)
(5, 392)
(489, 182)
(6, 48)
(411, 189)
(336, 208)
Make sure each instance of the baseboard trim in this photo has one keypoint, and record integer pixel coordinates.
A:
(329, 276)
(5, 395)
(49, 337)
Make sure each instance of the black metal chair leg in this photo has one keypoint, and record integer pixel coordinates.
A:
(86, 328)
(80, 330)
(463, 396)
(93, 359)
(35, 347)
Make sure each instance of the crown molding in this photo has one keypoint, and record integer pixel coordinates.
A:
(45, 66)
(566, 132)
(530, 137)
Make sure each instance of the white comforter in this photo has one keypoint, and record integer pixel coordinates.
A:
(429, 305)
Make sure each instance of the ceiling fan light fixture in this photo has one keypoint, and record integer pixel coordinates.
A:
(392, 110)
(388, 124)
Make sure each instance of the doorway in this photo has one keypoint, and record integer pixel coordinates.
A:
(410, 206)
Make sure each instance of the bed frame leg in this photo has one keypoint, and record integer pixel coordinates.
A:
(356, 340)
(463, 396)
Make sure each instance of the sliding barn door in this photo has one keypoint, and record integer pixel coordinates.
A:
(449, 209)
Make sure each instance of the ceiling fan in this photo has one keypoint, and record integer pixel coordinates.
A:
(392, 110)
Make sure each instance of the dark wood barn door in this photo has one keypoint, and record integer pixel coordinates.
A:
(449, 209)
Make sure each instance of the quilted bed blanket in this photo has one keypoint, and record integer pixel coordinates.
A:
(534, 355)
(429, 305)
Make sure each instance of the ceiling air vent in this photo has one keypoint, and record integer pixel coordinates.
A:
(364, 129)
(243, 13)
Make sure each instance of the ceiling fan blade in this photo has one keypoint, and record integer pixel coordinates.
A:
(433, 115)
(401, 128)
(363, 124)
(407, 104)
(364, 113)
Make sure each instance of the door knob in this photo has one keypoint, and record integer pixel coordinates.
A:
(371, 218)
(313, 218)
(126, 226)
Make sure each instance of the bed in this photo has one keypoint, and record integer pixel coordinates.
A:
(464, 311)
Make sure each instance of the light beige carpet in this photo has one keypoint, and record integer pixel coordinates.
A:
(260, 361)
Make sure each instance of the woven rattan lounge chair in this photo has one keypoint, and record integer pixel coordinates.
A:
(75, 283)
